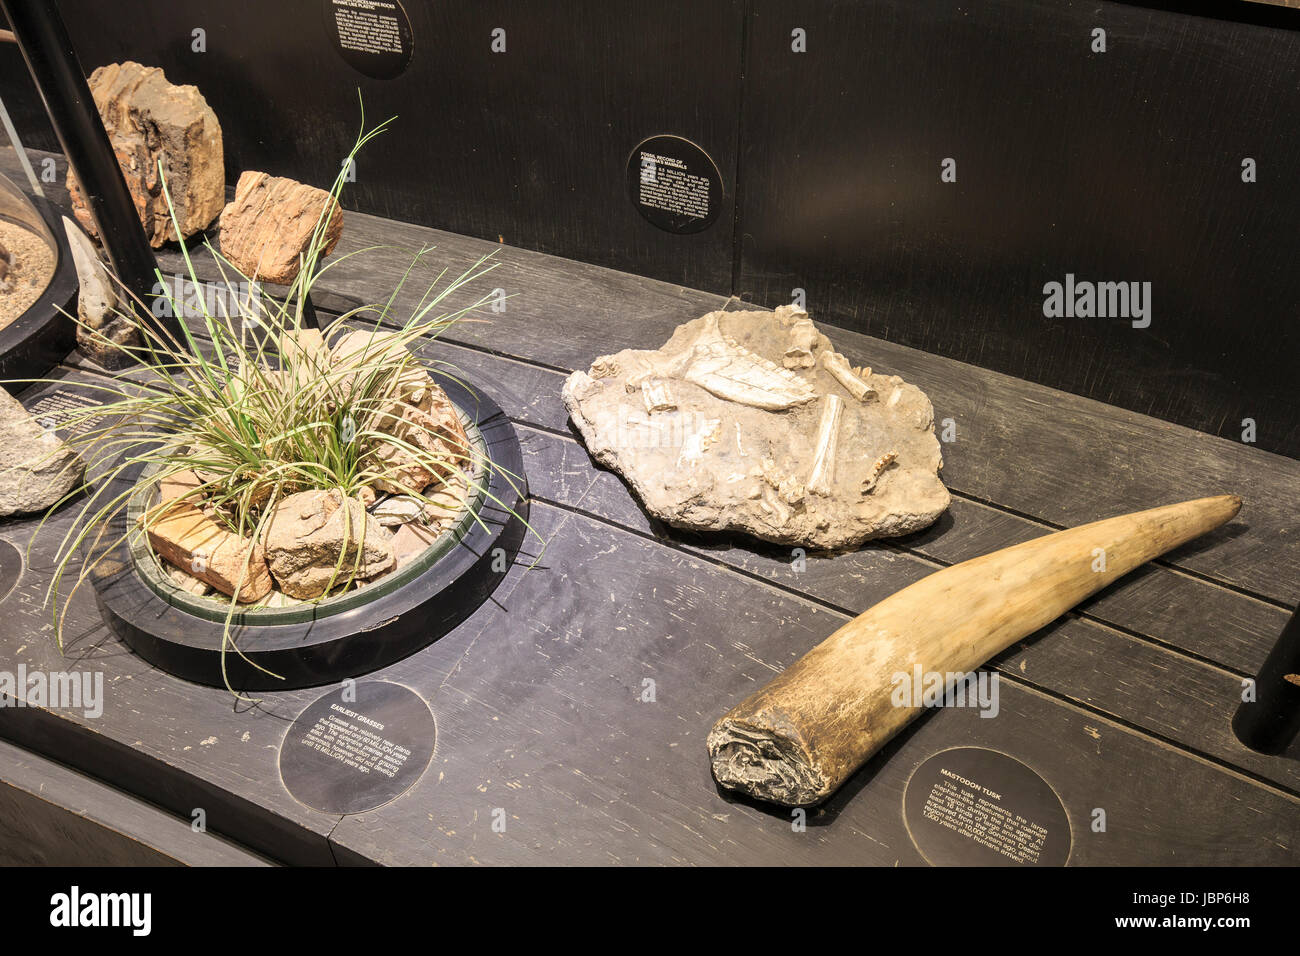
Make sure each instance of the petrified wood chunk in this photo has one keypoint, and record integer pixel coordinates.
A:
(796, 740)
(269, 225)
(149, 119)
(750, 421)
(188, 539)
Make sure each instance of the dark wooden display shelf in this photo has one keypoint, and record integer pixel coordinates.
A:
(1124, 704)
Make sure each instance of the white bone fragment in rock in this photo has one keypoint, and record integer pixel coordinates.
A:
(839, 367)
(823, 470)
(658, 397)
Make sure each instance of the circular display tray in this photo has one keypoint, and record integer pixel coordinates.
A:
(346, 636)
(42, 336)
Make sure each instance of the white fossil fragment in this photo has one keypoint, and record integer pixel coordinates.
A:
(724, 368)
(839, 367)
(698, 442)
(658, 397)
(880, 464)
(582, 384)
(605, 367)
(822, 475)
(787, 488)
(732, 372)
(802, 341)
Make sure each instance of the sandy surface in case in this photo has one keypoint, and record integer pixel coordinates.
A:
(29, 272)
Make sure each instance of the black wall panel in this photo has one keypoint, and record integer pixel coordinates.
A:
(529, 145)
(1115, 166)
(1122, 165)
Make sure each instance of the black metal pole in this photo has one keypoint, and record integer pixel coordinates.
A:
(1272, 720)
(43, 39)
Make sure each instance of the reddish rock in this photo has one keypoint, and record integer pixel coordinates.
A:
(188, 539)
(269, 225)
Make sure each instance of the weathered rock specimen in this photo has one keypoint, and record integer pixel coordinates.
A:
(308, 532)
(422, 416)
(102, 330)
(364, 350)
(750, 421)
(36, 467)
(433, 436)
(149, 119)
(269, 225)
(191, 541)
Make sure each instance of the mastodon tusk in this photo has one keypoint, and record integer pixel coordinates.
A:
(800, 737)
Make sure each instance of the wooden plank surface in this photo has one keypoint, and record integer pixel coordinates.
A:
(53, 816)
(1123, 704)
(542, 723)
(1026, 449)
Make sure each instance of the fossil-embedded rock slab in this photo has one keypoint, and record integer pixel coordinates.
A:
(750, 421)
(149, 119)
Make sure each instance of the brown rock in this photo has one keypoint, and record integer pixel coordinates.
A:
(178, 486)
(438, 433)
(269, 225)
(410, 541)
(187, 538)
(149, 119)
(306, 534)
(367, 349)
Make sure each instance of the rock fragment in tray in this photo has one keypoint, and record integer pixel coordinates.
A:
(314, 538)
(193, 542)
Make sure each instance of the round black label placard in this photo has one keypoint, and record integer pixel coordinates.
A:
(373, 36)
(674, 184)
(974, 807)
(11, 568)
(345, 755)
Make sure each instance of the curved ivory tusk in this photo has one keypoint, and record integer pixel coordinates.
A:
(795, 741)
